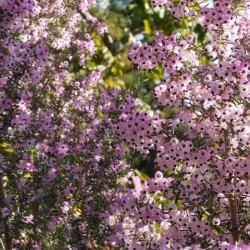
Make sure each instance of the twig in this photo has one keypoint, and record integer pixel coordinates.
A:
(232, 199)
(3, 203)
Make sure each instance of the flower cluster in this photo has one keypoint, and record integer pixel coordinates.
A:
(64, 181)
(138, 130)
(172, 54)
(62, 157)
(205, 149)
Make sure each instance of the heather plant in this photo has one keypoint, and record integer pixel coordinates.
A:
(199, 198)
(59, 155)
(65, 182)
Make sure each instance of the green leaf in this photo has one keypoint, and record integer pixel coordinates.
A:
(99, 113)
(81, 72)
(6, 52)
(142, 175)
(201, 33)
(16, 34)
(204, 216)
(59, 232)
(7, 147)
(157, 227)
(147, 27)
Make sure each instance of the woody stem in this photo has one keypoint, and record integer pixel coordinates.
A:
(7, 238)
(232, 199)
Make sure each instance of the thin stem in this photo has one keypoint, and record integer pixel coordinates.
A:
(7, 238)
(233, 206)
(226, 135)
(232, 199)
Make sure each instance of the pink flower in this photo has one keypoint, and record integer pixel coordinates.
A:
(29, 218)
(5, 212)
(65, 207)
(3, 81)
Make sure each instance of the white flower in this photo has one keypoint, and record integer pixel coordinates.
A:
(216, 221)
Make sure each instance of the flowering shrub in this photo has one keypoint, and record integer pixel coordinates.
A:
(64, 181)
(199, 198)
(62, 156)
